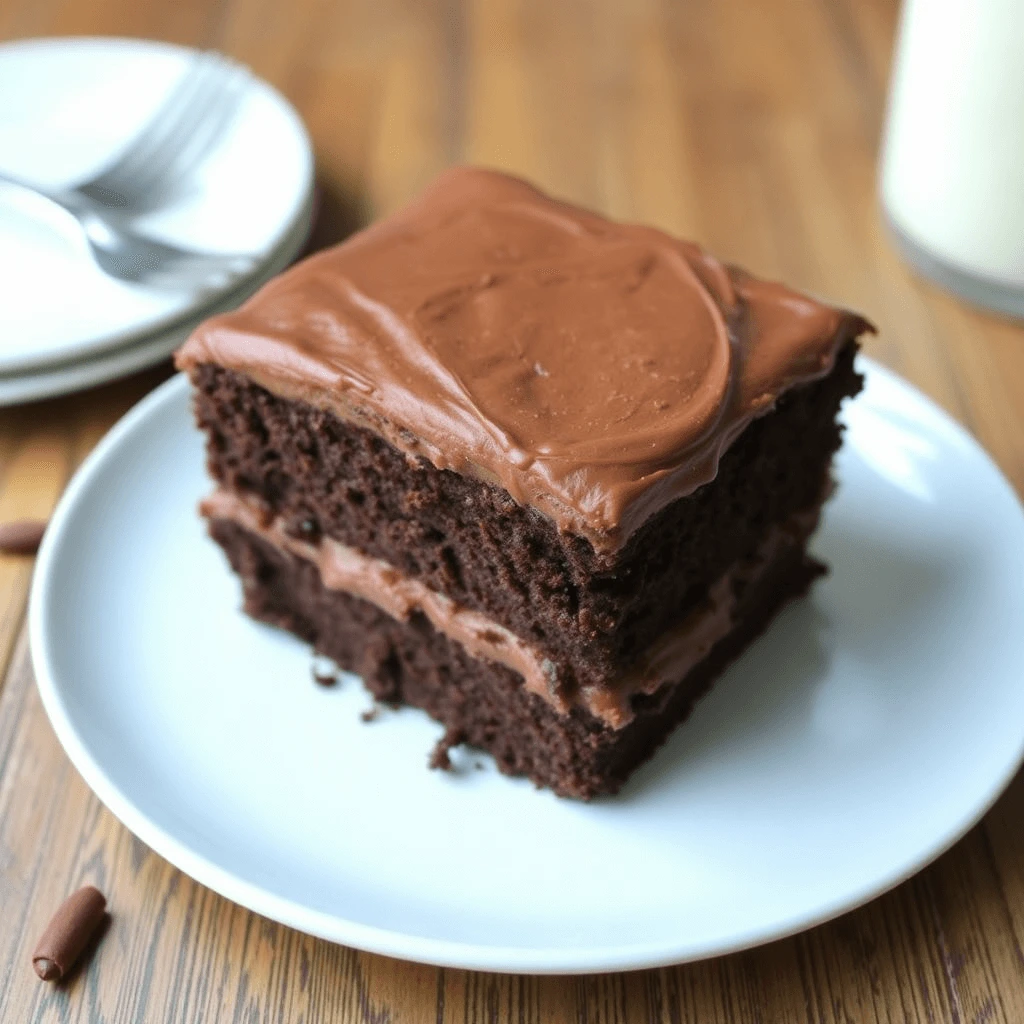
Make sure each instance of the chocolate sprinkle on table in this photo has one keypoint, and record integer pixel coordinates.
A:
(21, 537)
(70, 928)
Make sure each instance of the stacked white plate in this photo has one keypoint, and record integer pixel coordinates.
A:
(66, 108)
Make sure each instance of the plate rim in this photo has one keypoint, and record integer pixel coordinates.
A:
(98, 346)
(388, 942)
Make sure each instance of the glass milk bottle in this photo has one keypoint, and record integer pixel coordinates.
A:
(952, 170)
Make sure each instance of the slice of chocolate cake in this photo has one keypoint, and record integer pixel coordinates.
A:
(538, 473)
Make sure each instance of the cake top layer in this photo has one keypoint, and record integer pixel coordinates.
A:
(595, 370)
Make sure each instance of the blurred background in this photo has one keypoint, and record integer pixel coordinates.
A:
(753, 128)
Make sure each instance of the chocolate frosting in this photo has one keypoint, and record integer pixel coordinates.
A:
(667, 661)
(373, 580)
(596, 371)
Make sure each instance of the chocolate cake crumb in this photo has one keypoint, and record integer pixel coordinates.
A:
(324, 671)
(439, 756)
(370, 714)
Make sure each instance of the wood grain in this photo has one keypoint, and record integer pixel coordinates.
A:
(751, 127)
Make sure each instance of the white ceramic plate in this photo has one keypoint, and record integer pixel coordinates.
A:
(66, 107)
(864, 733)
(66, 378)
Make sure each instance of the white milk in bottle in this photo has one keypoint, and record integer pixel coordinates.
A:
(952, 171)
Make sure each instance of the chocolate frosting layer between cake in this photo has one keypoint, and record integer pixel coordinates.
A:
(667, 661)
(596, 371)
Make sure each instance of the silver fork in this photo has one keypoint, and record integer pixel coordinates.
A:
(174, 140)
(158, 159)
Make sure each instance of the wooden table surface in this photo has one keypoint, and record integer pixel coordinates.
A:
(751, 127)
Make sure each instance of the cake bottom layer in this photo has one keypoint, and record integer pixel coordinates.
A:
(481, 703)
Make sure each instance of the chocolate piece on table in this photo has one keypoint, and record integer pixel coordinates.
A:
(538, 473)
(68, 932)
(324, 672)
(21, 537)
